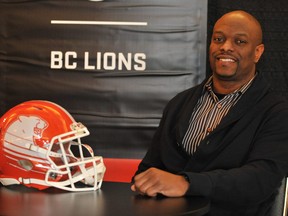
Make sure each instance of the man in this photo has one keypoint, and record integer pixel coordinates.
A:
(227, 138)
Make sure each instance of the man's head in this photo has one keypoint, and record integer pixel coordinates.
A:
(236, 46)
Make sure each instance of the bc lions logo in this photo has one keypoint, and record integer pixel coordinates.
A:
(27, 128)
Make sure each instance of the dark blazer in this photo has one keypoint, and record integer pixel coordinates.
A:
(240, 164)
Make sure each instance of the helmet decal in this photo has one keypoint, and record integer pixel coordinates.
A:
(29, 127)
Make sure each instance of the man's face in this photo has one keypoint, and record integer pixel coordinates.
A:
(234, 49)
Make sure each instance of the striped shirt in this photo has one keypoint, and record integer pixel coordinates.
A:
(208, 113)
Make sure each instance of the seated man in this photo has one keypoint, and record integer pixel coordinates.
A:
(227, 138)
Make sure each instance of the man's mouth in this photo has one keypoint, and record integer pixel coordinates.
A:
(226, 59)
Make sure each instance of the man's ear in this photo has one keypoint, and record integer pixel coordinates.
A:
(258, 52)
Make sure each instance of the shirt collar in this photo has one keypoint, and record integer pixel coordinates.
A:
(241, 90)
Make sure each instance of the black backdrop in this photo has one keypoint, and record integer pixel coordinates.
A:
(116, 79)
(122, 108)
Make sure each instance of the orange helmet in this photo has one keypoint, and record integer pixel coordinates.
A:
(36, 139)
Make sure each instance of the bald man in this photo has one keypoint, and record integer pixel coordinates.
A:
(227, 138)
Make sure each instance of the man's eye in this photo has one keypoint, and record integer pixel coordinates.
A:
(218, 39)
(241, 42)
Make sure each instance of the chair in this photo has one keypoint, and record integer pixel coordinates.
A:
(280, 205)
(120, 170)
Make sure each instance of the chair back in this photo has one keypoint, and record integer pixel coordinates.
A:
(280, 205)
(120, 170)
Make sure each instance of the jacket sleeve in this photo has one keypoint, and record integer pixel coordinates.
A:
(152, 157)
(163, 152)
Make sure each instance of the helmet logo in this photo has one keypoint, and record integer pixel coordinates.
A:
(29, 127)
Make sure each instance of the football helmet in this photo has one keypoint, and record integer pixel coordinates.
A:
(40, 147)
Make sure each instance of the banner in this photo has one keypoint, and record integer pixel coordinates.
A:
(112, 65)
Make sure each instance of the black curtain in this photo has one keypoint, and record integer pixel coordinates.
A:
(115, 79)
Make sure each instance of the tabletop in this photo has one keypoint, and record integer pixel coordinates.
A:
(111, 200)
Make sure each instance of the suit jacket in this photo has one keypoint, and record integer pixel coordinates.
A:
(240, 164)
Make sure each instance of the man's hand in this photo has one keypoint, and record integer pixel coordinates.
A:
(154, 181)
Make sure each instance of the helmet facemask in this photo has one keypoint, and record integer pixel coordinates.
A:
(68, 170)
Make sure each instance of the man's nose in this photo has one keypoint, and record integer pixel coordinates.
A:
(227, 46)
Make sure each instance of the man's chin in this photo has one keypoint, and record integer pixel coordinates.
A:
(225, 76)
